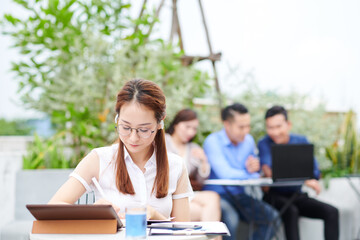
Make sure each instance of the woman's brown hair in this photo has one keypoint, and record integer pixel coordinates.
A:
(182, 116)
(151, 96)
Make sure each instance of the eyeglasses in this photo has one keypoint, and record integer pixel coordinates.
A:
(124, 131)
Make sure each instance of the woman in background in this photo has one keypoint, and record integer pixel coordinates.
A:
(205, 206)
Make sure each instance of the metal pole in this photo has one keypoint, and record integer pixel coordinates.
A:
(211, 53)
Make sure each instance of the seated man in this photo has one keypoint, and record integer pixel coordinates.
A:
(278, 132)
(230, 153)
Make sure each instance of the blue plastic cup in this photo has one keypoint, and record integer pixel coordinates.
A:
(135, 222)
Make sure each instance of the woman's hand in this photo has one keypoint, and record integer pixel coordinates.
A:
(150, 212)
(203, 165)
(106, 202)
(153, 214)
(199, 154)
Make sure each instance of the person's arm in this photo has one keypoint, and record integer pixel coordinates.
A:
(73, 189)
(219, 164)
(316, 166)
(267, 171)
(314, 183)
(181, 210)
(265, 158)
(265, 161)
(181, 207)
(316, 170)
(199, 159)
(153, 214)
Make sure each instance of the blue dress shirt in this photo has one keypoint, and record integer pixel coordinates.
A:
(227, 160)
(264, 146)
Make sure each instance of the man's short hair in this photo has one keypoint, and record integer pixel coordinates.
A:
(228, 112)
(275, 110)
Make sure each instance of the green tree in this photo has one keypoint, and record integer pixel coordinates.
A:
(76, 57)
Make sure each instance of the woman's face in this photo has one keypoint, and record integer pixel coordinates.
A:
(135, 115)
(186, 131)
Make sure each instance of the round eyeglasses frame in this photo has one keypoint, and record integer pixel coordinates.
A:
(129, 131)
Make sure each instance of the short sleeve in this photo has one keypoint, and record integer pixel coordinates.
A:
(86, 170)
(316, 165)
(81, 180)
(183, 187)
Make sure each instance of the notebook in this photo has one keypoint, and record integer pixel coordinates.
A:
(292, 162)
(73, 212)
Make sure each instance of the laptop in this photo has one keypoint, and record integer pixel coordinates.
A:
(292, 162)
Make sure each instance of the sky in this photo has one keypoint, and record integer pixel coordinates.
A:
(311, 47)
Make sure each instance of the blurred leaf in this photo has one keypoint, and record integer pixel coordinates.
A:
(14, 127)
(344, 152)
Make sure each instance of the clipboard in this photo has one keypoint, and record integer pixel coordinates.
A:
(74, 218)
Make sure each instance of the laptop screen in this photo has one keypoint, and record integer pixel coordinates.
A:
(292, 162)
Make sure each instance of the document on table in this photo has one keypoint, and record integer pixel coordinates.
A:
(207, 228)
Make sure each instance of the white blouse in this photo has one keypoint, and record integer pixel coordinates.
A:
(142, 181)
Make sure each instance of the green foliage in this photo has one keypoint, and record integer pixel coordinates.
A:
(77, 56)
(15, 127)
(54, 32)
(344, 152)
(45, 154)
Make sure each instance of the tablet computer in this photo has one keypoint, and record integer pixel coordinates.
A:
(73, 212)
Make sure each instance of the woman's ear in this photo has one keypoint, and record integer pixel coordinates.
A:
(161, 124)
(116, 118)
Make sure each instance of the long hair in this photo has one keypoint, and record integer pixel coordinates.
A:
(151, 96)
(182, 116)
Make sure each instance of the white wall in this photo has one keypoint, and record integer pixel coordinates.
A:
(11, 151)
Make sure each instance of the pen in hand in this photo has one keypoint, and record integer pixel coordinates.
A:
(98, 187)
(104, 200)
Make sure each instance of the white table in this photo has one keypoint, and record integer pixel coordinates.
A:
(120, 235)
(256, 182)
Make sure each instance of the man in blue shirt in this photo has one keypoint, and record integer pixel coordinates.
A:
(278, 132)
(230, 153)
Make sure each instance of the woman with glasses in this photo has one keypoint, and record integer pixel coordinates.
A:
(205, 206)
(137, 170)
